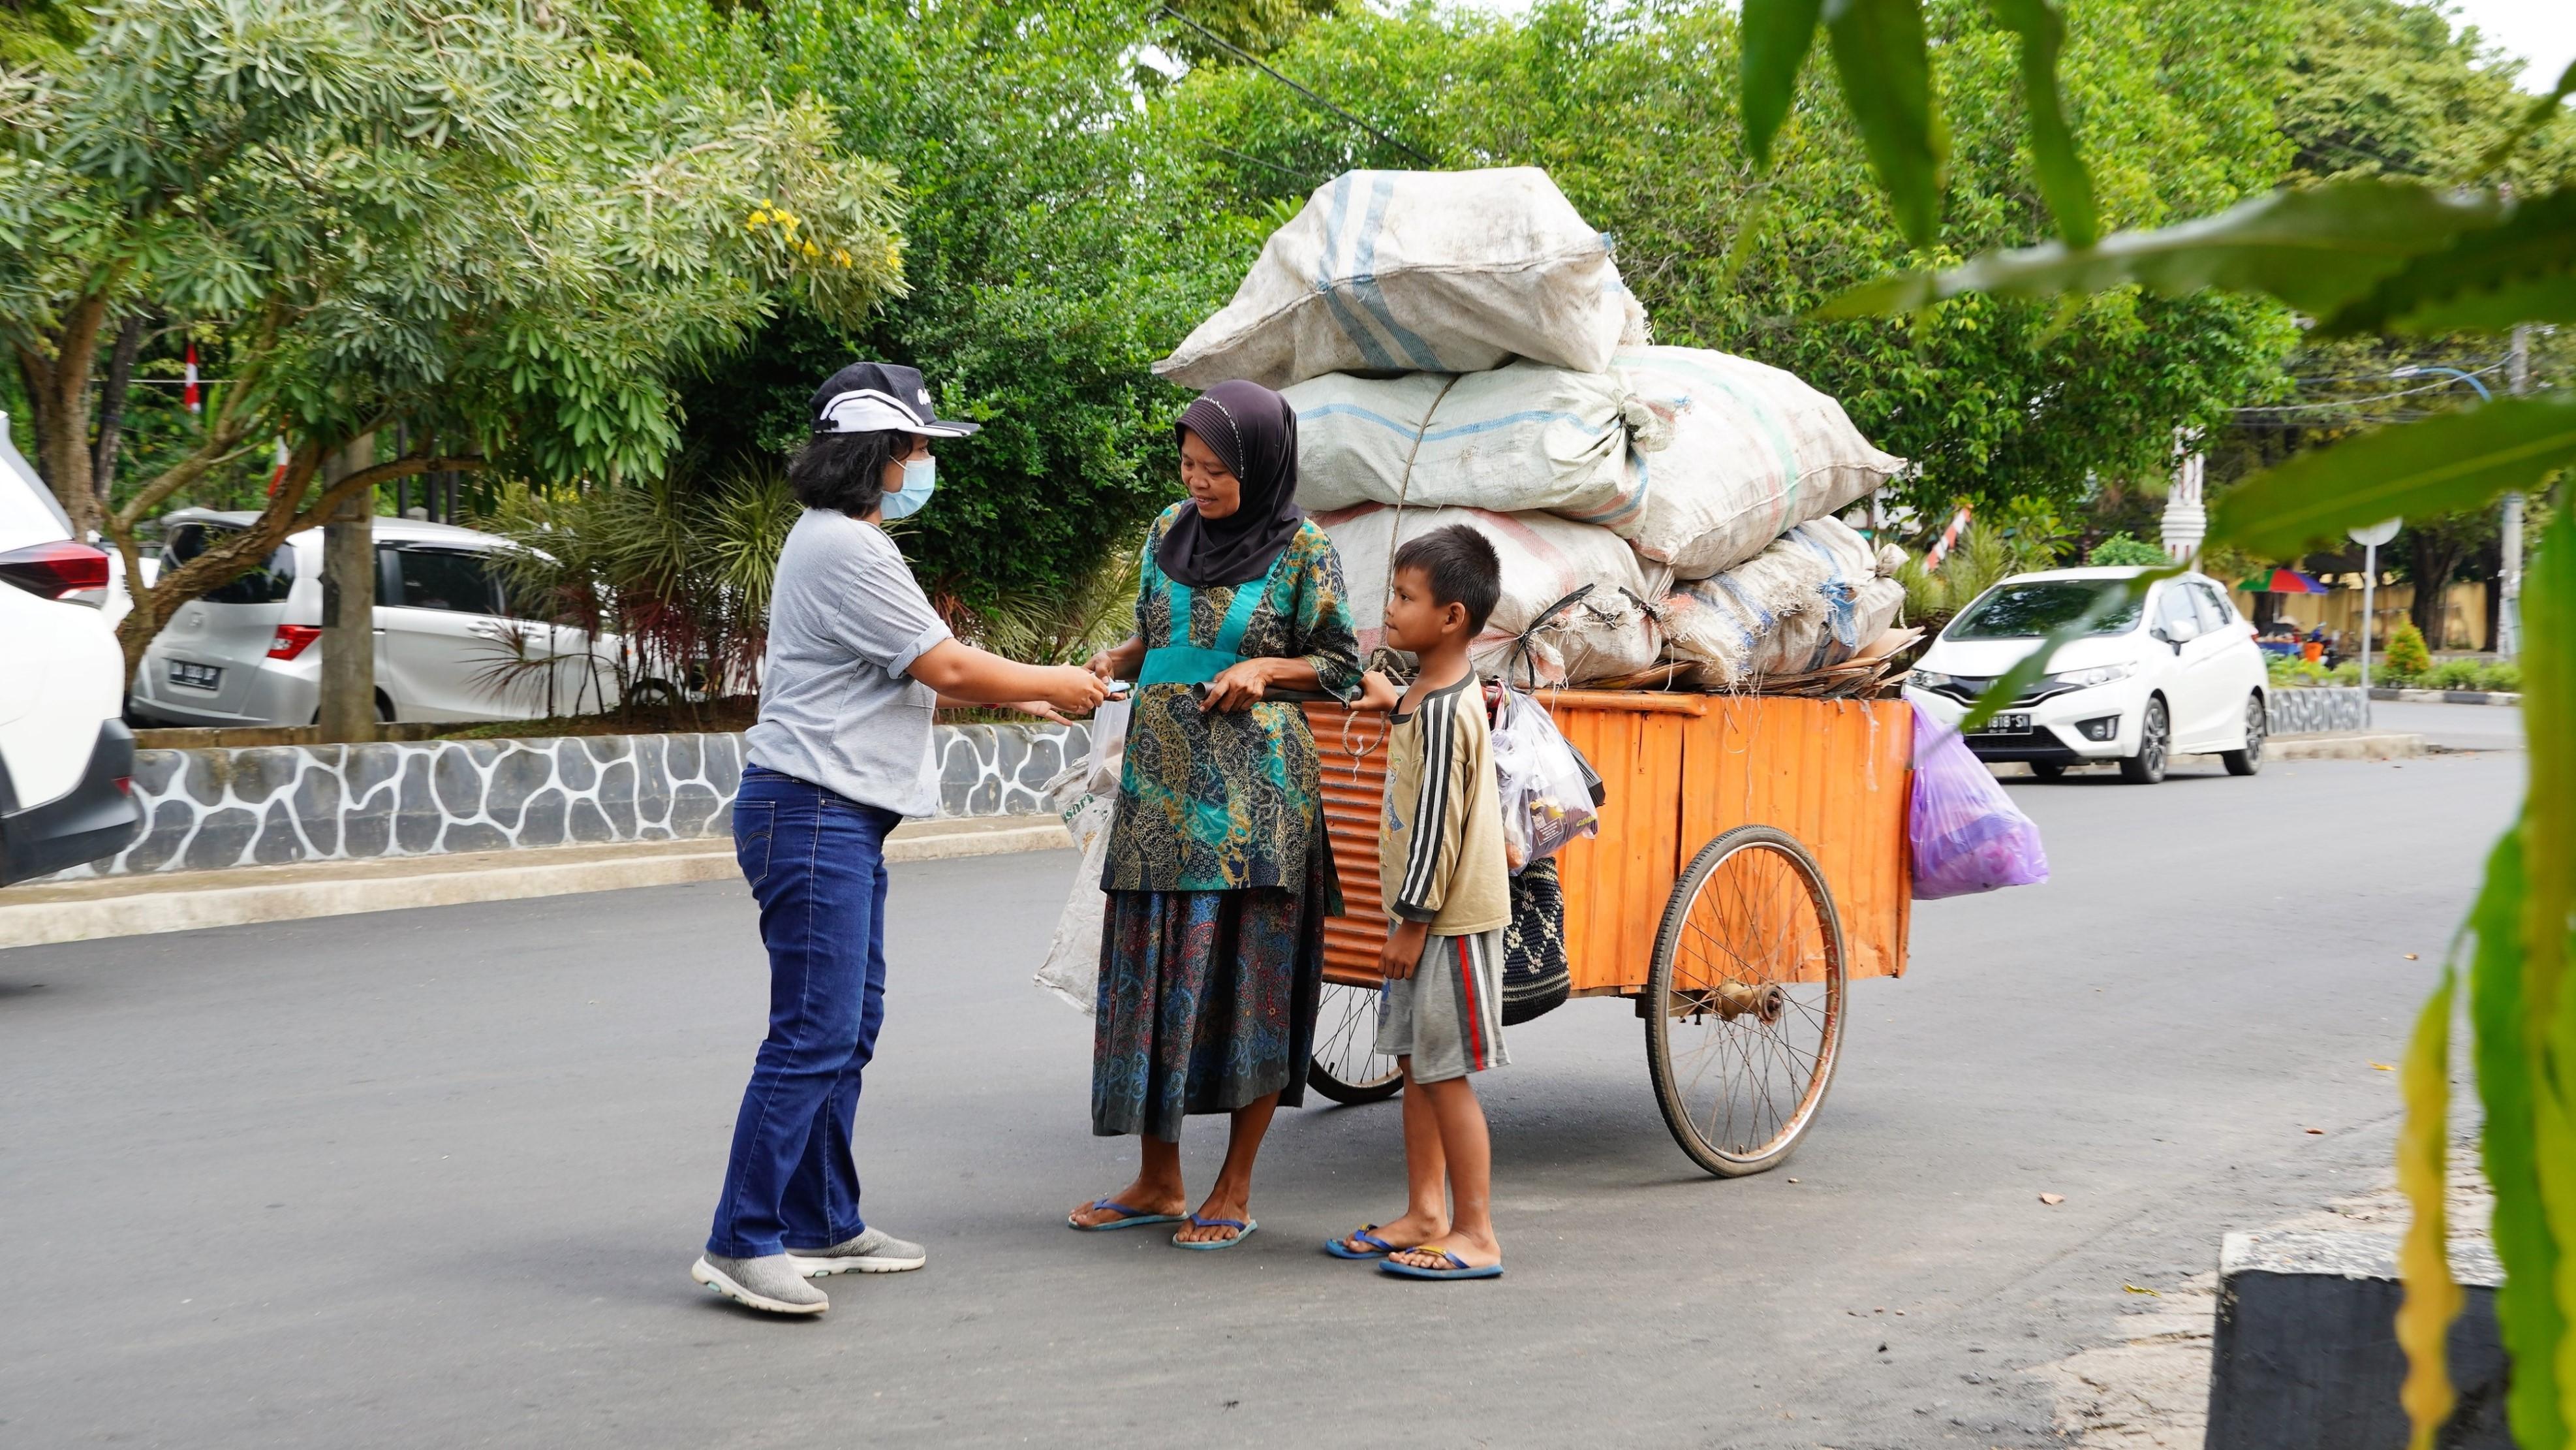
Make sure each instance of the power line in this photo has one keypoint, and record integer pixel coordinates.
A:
(1248, 57)
(2446, 382)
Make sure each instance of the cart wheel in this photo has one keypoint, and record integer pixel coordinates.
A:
(1744, 1003)
(1347, 1066)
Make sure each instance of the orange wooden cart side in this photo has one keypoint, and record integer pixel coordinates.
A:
(1680, 770)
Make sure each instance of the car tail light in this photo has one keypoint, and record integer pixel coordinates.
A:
(55, 570)
(290, 640)
(125, 785)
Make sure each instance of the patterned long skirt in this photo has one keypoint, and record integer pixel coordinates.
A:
(1207, 1002)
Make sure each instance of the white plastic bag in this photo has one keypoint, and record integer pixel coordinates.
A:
(1545, 793)
(1086, 795)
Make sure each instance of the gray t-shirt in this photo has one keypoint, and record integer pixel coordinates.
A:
(846, 619)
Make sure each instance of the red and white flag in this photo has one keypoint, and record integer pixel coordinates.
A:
(1933, 556)
(189, 392)
(277, 473)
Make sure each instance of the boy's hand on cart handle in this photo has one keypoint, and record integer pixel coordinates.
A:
(1403, 950)
(1378, 693)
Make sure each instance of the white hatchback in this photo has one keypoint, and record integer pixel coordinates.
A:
(2178, 674)
(448, 645)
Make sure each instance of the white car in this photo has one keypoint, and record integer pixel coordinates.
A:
(2180, 675)
(448, 645)
(66, 758)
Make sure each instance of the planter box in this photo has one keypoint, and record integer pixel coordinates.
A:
(271, 805)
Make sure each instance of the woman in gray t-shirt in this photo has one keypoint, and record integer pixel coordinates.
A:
(857, 663)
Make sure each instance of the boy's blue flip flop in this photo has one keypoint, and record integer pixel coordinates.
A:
(1242, 1230)
(1458, 1268)
(1127, 1218)
(1367, 1233)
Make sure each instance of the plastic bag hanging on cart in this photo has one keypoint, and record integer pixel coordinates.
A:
(1966, 833)
(1547, 790)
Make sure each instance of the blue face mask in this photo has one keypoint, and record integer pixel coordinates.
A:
(918, 483)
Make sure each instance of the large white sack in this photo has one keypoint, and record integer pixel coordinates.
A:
(1746, 453)
(1544, 559)
(1518, 438)
(1417, 271)
(1810, 600)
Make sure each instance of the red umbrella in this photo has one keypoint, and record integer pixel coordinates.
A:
(2283, 581)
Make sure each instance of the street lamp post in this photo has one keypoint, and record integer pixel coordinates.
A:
(2508, 640)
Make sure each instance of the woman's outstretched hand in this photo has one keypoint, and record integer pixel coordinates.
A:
(1070, 689)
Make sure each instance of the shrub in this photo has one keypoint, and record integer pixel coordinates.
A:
(2407, 656)
(2455, 675)
(2504, 675)
(2126, 548)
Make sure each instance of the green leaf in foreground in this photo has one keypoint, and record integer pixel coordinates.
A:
(2522, 270)
(2526, 1307)
(1777, 36)
(2424, 1256)
(2315, 248)
(1886, 73)
(2063, 179)
(2455, 461)
(2032, 665)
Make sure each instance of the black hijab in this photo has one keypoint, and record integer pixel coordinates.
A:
(1253, 432)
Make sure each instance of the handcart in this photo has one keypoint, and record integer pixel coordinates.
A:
(1751, 863)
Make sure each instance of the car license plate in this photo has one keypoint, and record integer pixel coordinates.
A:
(2004, 725)
(196, 676)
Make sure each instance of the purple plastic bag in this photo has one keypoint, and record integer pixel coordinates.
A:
(1967, 834)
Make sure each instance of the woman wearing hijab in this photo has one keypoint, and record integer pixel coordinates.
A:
(1218, 875)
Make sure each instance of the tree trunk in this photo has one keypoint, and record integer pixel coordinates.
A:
(111, 409)
(348, 640)
(2435, 559)
(62, 412)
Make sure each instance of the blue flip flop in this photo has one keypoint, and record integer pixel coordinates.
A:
(1127, 1218)
(1243, 1230)
(1458, 1268)
(1366, 1233)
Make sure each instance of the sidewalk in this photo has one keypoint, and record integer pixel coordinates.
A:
(185, 900)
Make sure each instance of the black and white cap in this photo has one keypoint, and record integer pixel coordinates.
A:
(868, 397)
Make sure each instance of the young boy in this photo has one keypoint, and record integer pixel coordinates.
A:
(1448, 896)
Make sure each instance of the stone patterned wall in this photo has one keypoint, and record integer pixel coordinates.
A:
(210, 809)
(2319, 708)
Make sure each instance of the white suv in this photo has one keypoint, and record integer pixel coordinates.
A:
(448, 644)
(2179, 676)
(66, 758)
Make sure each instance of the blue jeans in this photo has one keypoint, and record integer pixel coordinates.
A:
(816, 864)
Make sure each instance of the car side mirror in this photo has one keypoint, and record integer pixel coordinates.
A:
(2179, 632)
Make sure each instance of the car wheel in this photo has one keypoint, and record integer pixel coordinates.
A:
(2048, 769)
(653, 694)
(2155, 741)
(2258, 724)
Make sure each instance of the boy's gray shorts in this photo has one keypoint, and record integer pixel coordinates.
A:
(1448, 1016)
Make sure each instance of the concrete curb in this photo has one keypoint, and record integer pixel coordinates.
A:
(186, 901)
(2447, 697)
(2358, 745)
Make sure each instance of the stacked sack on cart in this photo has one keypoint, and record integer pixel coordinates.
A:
(1460, 348)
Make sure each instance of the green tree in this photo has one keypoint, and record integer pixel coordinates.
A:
(1632, 109)
(1055, 252)
(2360, 256)
(470, 222)
(2126, 549)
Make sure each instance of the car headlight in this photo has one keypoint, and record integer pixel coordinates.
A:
(1927, 679)
(2086, 679)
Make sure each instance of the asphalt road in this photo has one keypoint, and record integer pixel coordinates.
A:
(2452, 727)
(435, 1178)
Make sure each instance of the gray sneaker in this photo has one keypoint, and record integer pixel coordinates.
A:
(873, 1252)
(772, 1282)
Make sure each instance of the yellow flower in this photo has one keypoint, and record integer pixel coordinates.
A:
(755, 220)
(810, 249)
(841, 255)
(787, 219)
